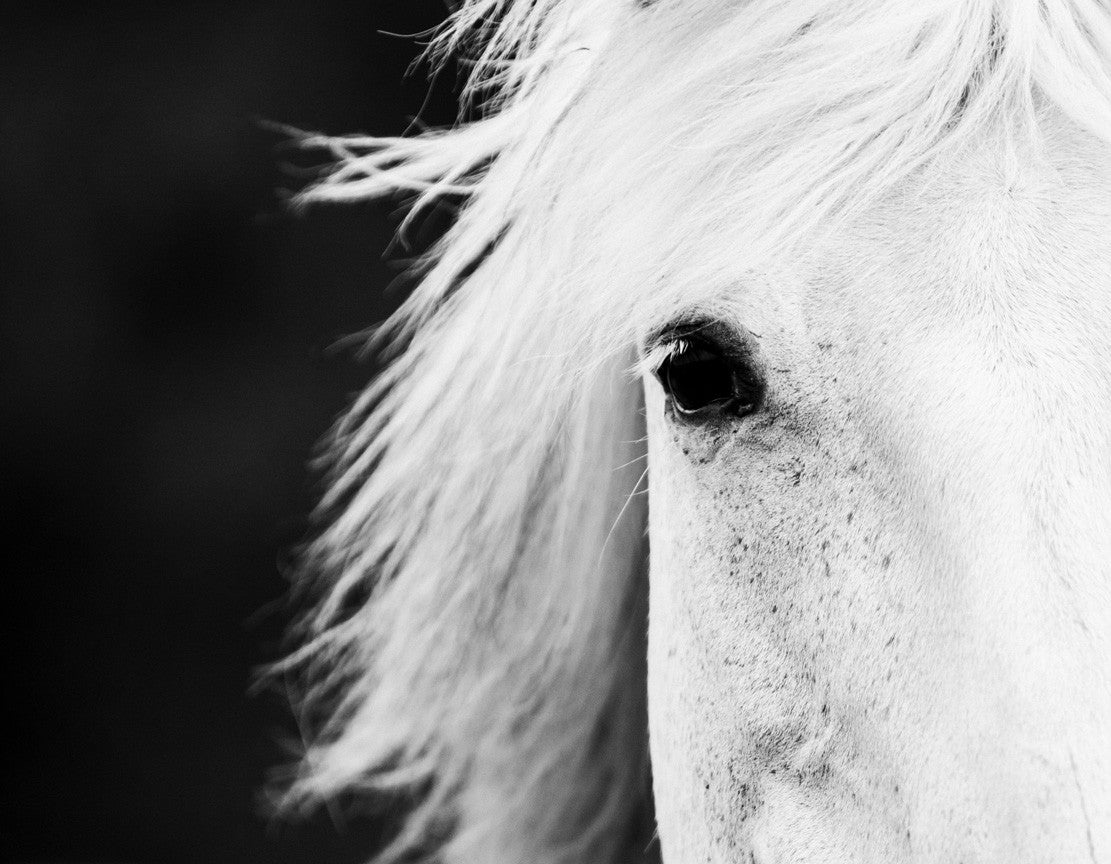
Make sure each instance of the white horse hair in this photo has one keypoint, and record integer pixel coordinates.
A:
(481, 636)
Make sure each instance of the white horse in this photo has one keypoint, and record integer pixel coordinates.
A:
(841, 271)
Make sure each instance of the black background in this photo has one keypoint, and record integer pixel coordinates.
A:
(166, 336)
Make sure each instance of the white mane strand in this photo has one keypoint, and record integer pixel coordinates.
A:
(480, 636)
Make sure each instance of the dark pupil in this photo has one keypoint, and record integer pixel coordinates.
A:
(697, 378)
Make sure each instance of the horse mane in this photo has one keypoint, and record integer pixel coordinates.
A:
(480, 634)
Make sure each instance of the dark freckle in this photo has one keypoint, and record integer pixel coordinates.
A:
(886, 561)
(775, 609)
(849, 519)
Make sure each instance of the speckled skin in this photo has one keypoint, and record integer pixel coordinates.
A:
(880, 609)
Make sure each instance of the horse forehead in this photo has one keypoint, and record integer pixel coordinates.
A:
(1011, 244)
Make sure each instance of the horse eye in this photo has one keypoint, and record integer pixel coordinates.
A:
(701, 379)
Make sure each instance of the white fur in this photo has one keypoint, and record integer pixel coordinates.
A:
(485, 484)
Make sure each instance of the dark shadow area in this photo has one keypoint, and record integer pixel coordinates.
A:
(165, 335)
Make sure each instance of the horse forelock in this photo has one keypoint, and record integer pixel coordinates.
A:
(488, 486)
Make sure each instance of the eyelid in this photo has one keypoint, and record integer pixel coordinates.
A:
(665, 341)
(733, 341)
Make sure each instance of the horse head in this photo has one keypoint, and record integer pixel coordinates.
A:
(748, 457)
